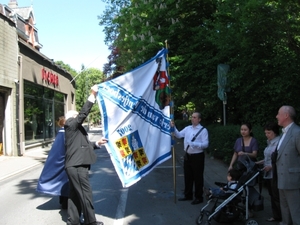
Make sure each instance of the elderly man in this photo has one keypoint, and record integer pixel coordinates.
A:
(79, 156)
(288, 166)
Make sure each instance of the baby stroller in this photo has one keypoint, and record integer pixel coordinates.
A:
(235, 206)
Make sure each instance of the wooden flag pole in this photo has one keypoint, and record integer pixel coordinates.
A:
(172, 118)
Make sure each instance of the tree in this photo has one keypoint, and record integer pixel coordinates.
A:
(66, 67)
(258, 39)
(84, 81)
(113, 9)
(143, 26)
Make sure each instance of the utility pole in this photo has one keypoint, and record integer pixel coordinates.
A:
(87, 95)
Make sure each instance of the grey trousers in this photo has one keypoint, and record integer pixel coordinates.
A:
(290, 206)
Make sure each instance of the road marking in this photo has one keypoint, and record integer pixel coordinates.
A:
(121, 207)
(119, 218)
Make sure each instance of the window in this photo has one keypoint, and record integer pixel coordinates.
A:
(42, 108)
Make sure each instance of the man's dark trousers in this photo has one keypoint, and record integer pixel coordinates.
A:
(80, 186)
(193, 174)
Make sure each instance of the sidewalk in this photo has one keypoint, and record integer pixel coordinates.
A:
(10, 166)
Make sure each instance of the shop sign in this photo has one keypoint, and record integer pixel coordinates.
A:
(49, 77)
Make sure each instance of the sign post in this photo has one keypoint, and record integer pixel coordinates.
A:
(222, 86)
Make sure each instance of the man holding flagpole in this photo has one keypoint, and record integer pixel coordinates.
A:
(79, 157)
(195, 141)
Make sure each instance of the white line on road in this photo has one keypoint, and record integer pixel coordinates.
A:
(121, 207)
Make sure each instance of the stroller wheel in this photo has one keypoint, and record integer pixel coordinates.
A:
(251, 222)
(200, 219)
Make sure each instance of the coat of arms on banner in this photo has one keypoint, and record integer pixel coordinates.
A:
(131, 149)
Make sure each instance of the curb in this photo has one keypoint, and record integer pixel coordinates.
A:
(19, 171)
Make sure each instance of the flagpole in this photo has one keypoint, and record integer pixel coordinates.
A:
(172, 118)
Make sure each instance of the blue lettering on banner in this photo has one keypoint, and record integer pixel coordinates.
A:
(119, 96)
(153, 116)
(123, 130)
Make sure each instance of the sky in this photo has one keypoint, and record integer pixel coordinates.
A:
(69, 31)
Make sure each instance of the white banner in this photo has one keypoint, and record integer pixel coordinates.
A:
(136, 119)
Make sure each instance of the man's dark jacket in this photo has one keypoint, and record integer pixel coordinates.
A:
(79, 150)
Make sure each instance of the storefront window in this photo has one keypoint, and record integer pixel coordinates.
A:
(60, 97)
(49, 119)
(32, 89)
(42, 107)
(59, 111)
(33, 119)
(48, 93)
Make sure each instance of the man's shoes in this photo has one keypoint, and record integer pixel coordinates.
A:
(197, 201)
(185, 199)
(272, 219)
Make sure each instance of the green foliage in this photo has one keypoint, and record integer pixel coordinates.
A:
(259, 57)
(180, 124)
(84, 81)
(259, 40)
(67, 68)
(221, 141)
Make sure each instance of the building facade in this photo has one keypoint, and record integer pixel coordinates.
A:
(34, 91)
